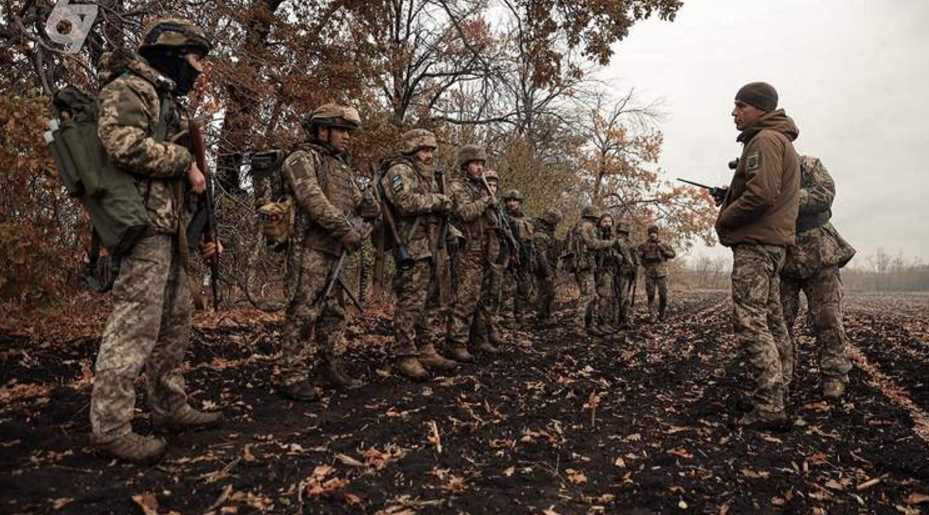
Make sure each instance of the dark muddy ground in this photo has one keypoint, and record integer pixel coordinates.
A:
(557, 424)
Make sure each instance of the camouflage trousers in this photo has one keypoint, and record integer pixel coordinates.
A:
(485, 325)
(661, 285)
(519, 288)
(824, 300)
(604, 307)
(150, 327)
(546, 295)
(624, 309)
(469, 268)
(585, 282)
(759, 321)
(419, 316)
(312, 324)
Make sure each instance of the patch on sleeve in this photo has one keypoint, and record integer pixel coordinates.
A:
(753, 162)
(396, 183)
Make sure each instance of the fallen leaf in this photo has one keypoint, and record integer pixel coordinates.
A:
(575, 476)
(147, 502)
(509, 472)
(915, 498)
(64, 501)
(761, 474)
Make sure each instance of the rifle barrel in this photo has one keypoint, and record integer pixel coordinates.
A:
(697, 184)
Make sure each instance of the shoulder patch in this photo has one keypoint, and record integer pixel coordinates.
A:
(396, 183)
(753, 162)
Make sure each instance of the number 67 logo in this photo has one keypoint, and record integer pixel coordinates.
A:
(75, 19)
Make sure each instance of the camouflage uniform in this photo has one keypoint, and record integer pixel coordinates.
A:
(519, 284)
(653, 255)
(590, 242)
(151, 319)
(322, 184)
(545, 249)
(472, 214)
(812, 266)
(628, 273)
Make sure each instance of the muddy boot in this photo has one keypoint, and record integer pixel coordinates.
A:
(486, 346)
(303, 391)
(765, 421)
(461, 355)
(833, 389)
(430, 358)
(336, 375)
(135, 448)
(595, 330)
(411, 368)
(187, 418)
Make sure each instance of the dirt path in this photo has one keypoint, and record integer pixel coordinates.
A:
(559, 422)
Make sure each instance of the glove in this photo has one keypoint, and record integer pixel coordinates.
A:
(442, 204)
(719, 195)
(351, 241)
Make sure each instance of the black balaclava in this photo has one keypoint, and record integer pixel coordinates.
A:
(174, 66)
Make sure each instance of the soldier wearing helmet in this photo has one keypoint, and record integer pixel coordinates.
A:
(654, 255)
(139, 119)
(519, 276)
(485, 328)
(583, 241)
(328, 202)
(545, 265)
(473, 214)
(411, 191)
(628, 273)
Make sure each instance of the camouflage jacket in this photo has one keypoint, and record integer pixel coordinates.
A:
(631, 262)
(819, 245)
(325, 193)
(130, 108)
(545, 248)
(591, 242)
(654, 256)
(414, 197)
(473, 216)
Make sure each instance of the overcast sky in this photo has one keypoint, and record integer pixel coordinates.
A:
(853, 74)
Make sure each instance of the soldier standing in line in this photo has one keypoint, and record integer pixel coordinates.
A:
(412, 194)
(606, 263)
(812, 266)
(546, 250)
(321, 182)
(653, 255)
(584, 241)
(519, 273)
(485, 327)
(628, 274)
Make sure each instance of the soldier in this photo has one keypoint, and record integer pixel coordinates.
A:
(485, 327)
(151, 319)
(758, 221)
(812, 265)
(653, 255)
(472, 212)
(546, 250)
(586, 240)
(322, 184)
(606, 266)
(519, 273)
(412, 194)
(628, 274)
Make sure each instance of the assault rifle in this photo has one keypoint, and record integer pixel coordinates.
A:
(718, 194)
(504, 224)
(203, 222)
(335, 277)
(402, 256)
(443, 227)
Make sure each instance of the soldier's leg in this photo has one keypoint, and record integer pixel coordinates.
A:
(825, 299)
(129, 336)
(790, 303)
(776, 323)
(588, 296)
(298, 348)
(662, 283)
(752, 275)
(521, 298)
(412, 289)
(650, 295)
(468, 293)
(546, 296)
(330, 331)
(605, 302)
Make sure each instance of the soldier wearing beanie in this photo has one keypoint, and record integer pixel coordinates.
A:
(654, 254)
(757, 220)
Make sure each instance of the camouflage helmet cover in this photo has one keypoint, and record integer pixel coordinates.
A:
(491, 175)
(415, 139)
(653, 229)
(552, 216)
(174, 33)
(468, 153)
(513, 195)
(589, 212)
(333, 115)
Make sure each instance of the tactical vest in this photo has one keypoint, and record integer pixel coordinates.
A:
(417, 232)
(475, 232)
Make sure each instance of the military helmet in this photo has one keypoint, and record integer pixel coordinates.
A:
(552, 216)
(589, 212)
(333, 115)
(175, 34)
(415, 139)
(491, 175)
(468, 153)
(652, 229)
(513, 195)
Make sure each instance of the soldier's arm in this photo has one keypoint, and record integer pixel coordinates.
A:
(667, 251)
(124, 127)
(463, 207)
(819, 190)
(764, 182)
(299, 171)
(591, 241)
(398, 184)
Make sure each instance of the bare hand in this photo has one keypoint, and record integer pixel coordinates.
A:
(208, 249)
(196, 178)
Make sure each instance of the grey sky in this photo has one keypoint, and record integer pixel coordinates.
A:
(854, 75)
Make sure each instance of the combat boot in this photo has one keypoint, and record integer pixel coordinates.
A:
(486, 346)
(765, 421)
(135, 448)
(461, 355)
(336, 375)
(412, 369)
(430, 358)
(186, 418)
(303, 391)
(594, 330)
(833, 389)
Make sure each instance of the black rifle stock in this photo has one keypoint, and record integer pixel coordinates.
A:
(203, 222)
(504, 224)
(718, 194)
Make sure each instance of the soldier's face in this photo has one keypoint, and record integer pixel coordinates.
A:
(745, 115)
(195, 61)
(606, 223)
(475, 169)
(337, 137)
(425, 155)
(493, 186)
(512, 205)
(653, 236)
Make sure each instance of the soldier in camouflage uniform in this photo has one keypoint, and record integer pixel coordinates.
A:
(485, 327)
(628, 273)
(412, 193)
(151, 319)
(472, 213)
(758, 220)
(519, 278)
(587, 241)
(653, 254)
(546, 250)
(812, 266)
(602, 308)
(322, 184)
